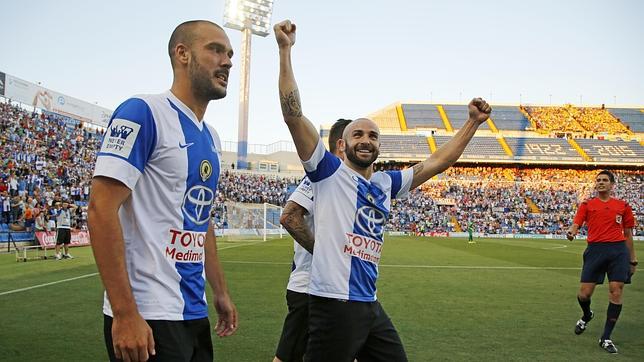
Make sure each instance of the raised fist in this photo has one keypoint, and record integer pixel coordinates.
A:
(479, 110)
(284, 34)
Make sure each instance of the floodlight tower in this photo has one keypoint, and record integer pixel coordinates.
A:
(250, 17)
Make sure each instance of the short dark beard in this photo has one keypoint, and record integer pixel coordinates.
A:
(351, 155)
(202, 86)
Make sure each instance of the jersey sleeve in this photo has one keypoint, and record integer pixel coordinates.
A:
(303, 195)
(629, 219)
(400, 182)
(582, 212)
(322, 164)
(128, 143)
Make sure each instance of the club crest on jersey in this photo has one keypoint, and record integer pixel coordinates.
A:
(618, 219)
(205, 170)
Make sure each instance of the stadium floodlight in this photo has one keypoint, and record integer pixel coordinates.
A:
(250, 17)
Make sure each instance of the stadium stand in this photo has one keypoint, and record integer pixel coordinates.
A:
(633, 118)
(422, 116)
(542, 149)
(509, 118)
(399, 144)
(478, 148)
(45, 160)
(613, 151)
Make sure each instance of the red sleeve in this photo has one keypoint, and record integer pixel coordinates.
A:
(629, 220)
(581, 214)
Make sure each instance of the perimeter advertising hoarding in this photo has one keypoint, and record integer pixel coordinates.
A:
(34, 95)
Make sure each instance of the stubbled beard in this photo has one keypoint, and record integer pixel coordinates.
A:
(202, 85)
(353, 157)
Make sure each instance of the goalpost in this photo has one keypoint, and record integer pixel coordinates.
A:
(252, 221)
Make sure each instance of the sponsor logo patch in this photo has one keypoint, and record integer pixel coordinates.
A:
(362, 247)
(120, 137)
(197, 203)
(185, 246)
(371, 221)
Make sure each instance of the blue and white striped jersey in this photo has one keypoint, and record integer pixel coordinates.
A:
(301, 269)
(350, 213)
(155, 145)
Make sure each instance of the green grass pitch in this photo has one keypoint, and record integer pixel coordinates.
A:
(496, 300)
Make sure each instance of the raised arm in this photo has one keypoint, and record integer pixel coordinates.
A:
(304, 134)
(449, 153)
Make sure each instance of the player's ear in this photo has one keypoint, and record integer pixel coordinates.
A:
(341, 145)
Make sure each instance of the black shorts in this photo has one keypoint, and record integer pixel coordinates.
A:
(295, 332)
(63, 236)
(173, 340)
(342, 331)
(606, 258)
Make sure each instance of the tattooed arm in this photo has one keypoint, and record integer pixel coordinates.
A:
(304, 134)
(293, 221)
(449, 153)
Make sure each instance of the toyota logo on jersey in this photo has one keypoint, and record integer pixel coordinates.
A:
(197, 203)
(370, 221)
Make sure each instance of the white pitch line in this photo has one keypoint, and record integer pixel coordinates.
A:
(47, 284)
(560, 246)
(425, 266)
(91, 275)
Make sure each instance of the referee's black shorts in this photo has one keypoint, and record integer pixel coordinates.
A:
(63, 236)
(610, 258)
(295, 332)
(341, 331)
(173, 340)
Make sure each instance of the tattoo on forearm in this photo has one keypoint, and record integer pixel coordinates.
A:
(418, 168)
(291, 105)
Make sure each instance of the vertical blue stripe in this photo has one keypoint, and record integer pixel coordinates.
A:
(396, 182)
(199, 146)
(370, 219)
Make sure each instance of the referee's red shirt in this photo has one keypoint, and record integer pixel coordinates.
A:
(606, 220)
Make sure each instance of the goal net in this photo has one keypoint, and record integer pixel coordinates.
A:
(242, 221)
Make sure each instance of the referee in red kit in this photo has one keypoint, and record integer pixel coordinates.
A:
(610, 251)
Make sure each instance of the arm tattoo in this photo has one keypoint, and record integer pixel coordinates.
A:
(291, 105)
(418, 168)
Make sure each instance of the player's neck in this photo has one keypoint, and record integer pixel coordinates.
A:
(603, 196)
(365, 172)
(183, 93)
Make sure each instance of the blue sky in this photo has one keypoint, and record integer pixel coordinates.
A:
(351, 57)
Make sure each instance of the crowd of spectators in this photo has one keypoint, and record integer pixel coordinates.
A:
(47, 160)
(586, 120)
(537, 201)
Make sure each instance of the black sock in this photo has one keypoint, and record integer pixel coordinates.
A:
(585, 307)
(611, 318)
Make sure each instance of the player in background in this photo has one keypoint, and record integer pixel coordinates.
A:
(345, 319)
(470, 231)
(149, 211)
(610, 251)
(297, 219)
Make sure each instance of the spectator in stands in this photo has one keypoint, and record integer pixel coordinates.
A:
(63, 229)
(6, 208)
